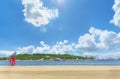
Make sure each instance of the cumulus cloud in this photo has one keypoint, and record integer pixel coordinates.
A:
(60, 47)
(32, 49)
(99, 40)
(5, 53)
(29, 49)
(116, 17)
(36, 14)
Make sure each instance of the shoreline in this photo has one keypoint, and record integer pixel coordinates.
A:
(59, 72)
(52, 68)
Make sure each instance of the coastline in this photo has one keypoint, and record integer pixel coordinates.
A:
(59, 72)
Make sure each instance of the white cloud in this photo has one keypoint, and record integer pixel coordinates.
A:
(99, 40)
(60, 47)
(29, 49)
(32, 49)
(6, 53)
(43, 49)
(116, 17)
(36, 14)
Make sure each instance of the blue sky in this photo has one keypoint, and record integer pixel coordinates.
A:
(58, 21)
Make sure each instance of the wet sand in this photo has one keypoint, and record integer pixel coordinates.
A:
(59, 72)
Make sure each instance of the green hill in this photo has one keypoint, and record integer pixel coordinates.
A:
(48, 57)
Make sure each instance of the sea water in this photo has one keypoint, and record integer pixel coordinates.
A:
(65, 63)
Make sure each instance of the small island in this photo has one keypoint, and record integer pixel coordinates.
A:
(39, 56)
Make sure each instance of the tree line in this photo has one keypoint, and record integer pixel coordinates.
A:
(49, 57)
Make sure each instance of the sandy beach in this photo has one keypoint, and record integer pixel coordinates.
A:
(59, 72)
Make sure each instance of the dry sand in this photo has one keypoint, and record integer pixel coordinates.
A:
(59, 72)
